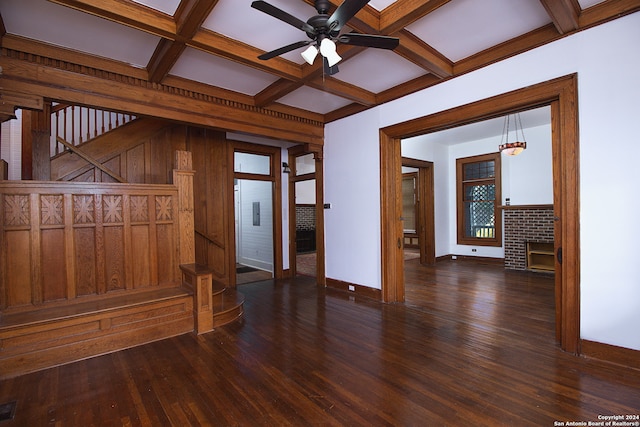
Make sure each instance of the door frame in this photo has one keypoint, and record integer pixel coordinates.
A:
(426, 209)
(318, 175)
(562, 95)
(275, 178)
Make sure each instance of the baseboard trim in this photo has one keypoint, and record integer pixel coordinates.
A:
(359, 290)
(610, 353)
(476, 259)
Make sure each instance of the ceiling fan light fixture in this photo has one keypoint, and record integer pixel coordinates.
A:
(309, 54)
(328, 50)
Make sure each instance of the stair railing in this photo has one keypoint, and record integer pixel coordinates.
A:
(76, 124)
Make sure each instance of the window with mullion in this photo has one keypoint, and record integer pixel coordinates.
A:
(478, 183)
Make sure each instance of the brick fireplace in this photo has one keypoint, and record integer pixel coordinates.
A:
(522, 224)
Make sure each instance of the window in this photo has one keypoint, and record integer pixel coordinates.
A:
(478, 183)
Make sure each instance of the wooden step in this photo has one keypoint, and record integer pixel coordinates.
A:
(52, 336)
(228, 306)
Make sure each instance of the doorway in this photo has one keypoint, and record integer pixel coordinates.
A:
(561, 95)
(418, 203)
(306, 208)
(257, 214)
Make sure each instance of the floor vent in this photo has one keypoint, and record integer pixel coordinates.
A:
(7, 411)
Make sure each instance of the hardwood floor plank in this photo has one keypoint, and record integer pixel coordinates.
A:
(472, 345)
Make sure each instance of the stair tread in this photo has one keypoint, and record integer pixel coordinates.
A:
(229, 300)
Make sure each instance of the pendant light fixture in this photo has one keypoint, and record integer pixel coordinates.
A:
(517, 146)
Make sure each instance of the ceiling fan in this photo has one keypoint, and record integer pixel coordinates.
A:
(323, 31)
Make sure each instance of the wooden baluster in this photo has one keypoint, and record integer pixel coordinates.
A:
(56, 144)
(73, 124)
(80, 120)
(102, 121)
(95, 122)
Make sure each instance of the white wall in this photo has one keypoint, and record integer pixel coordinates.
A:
(606, 59)
(11, 147)
(526, 179)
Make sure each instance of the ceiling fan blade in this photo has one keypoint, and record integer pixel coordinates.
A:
(280, 14)
(369, 40)
(344, 12)
(284, 49)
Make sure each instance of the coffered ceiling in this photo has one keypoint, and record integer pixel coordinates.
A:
(217, 42)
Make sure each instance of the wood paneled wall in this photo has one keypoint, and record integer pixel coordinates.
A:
(211, 187)
(63, 241)
(142, 152)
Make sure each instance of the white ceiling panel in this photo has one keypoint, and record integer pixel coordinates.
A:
(238, 20)
(202, 67)
(456, 30)
(462, 28)
(378, 69)
(313, 100)
(65, 27)
(381, 4)
(488, 128)
(165, 6)
(588, 3)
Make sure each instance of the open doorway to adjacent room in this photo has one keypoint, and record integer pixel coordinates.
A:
(303, 181)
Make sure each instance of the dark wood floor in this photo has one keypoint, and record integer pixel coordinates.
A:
(472, 346)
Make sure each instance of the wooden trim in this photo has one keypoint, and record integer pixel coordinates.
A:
(69, 82)
(611, 353)
(476, 259)
(321, 278)
(524, 207)
(561, 92)
(275, 159)
(426, 209)
(392, 233)
(359, 290)
(496, 240)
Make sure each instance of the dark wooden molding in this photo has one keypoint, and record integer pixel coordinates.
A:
(71, 82)
(358, 290)
(522, 207)
(610, 353)
(475, 259)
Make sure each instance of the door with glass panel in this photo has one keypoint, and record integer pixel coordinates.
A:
(254, 217)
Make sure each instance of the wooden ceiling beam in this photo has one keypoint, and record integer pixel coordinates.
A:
(343, 90)
(21, 100)
(345, 111)
(510, 48)
(563, 13)
(127, 13)
(276, 91)
(606, 11)
(423, 55)
(404, 12)
(189, 18)
(407, 88)
(225, 47)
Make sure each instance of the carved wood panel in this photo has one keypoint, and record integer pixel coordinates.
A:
(63, 241)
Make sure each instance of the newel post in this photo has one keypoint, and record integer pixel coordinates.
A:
(183, 179)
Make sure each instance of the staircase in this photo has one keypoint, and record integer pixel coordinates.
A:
(77, 125)
(84, 138)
